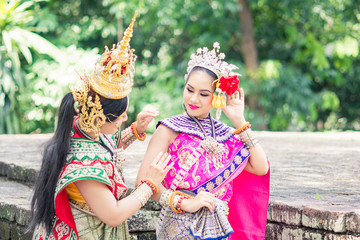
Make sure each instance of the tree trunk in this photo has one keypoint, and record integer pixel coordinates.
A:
(248, 47)
(249, 52)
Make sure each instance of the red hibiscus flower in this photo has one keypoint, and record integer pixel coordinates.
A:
(229, 84)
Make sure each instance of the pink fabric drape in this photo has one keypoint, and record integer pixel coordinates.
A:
(248, 206)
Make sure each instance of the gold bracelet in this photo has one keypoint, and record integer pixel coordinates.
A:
(127, 137)
(248, 139)
(165, 198)
(142, 136)
(151, 184)
(142, 193)
(239, 130)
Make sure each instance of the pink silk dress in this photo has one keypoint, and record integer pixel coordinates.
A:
(196, 170)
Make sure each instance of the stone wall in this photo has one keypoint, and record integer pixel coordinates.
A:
(315, 185)
(303, 222)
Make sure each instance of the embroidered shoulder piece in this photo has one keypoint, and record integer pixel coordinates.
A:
(184, 124)
(82, 148)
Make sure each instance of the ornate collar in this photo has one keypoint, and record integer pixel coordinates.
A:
(184, 124)
(105, 140)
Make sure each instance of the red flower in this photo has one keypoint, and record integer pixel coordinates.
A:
(229, 84)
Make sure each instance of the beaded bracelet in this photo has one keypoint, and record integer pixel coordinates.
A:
(151, 184)
(175, 201)
(171, 200)
(142, 136)
(177, 197)
(247, 125)
(178, 205)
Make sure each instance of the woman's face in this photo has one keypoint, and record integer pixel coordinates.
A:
(111, 127)
(198, 94)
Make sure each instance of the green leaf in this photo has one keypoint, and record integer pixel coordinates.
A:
(26, 53)
(24, 6)
(330, 101)
(36, 42)
(7, 41)
(11, 5)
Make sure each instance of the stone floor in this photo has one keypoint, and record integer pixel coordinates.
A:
(319, 167)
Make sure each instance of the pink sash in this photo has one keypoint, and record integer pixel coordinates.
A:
(248, 206)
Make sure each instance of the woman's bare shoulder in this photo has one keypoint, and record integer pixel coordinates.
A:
(165, 133)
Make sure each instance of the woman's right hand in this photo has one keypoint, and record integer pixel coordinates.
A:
(159, 168)
(202, 199)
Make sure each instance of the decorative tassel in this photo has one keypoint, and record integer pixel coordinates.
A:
(218, 114)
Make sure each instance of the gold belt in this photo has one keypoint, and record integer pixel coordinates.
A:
(80, 205)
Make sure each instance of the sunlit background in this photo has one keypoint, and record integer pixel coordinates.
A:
(299, 59)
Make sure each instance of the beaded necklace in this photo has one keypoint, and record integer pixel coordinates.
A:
(209, 144)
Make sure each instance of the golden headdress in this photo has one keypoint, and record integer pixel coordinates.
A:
(114, 72)
(112, 79)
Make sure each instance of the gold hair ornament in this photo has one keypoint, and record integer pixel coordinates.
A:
(112, 79)
(212, 61)
(91, 113)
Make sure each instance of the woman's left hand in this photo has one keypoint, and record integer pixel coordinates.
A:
(144, 118)
(235, 107)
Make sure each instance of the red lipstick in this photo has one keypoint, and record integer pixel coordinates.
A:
(193, 107)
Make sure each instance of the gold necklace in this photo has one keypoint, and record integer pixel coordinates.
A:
(209, 144)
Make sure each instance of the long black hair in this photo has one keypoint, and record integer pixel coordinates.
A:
(54, 158)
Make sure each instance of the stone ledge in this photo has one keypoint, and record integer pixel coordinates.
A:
(315, 215)
(276, 231)
(282, 213)
(352, 221)
(13, 231)
(18, 173)
(324, 219)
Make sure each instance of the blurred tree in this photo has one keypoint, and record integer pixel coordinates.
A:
(305, 54)
(321, 40)
(16, 41)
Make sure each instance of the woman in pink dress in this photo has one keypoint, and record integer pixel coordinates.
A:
(218, 187)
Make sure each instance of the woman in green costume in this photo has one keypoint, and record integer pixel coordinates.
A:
(80, 192)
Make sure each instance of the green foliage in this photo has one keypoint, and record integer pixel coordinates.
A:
(288, 97)
(49, 82)
(321, 40)
(308, 54)
(16, 43)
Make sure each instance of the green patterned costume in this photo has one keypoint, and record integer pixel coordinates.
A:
(86, 160)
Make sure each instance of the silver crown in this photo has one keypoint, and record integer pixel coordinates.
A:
(209, 60)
